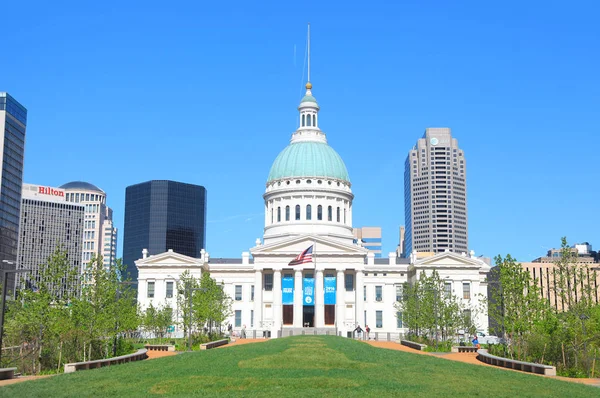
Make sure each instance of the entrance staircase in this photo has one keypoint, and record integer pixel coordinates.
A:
(287, 331)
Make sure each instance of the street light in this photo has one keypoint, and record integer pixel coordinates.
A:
(5, 273)
(191, 290)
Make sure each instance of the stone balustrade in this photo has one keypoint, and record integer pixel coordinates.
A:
(160, 347)
(7, 373)
(464, 349)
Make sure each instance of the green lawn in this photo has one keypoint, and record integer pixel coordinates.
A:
(298, 366)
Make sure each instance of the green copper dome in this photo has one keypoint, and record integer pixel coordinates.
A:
(308, 159)
(309, 98)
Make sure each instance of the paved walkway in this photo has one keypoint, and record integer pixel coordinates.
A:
(242, 342)
(470, 358)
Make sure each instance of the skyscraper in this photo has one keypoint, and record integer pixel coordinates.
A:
(435, 195)
(162, 215)
(48, 220)
(99, 234)
(370, 239)
(13, 122)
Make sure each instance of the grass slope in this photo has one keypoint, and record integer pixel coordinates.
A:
(298, 366)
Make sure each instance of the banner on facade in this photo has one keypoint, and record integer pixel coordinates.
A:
(308, 291)
(329, 290)
(287, 290)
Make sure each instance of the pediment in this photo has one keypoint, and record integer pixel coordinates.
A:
(450, 260)
(322, 247)
(169, 259)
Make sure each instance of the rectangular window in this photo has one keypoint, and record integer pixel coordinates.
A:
(399, 319)
(252, 318)
(238, 292)
(150, 289)
(252, 293)
(448, 289)
(378, 293)
(169, 289)
(378, 319)
(268, 282)
(349, 282)
(399, 292)
(238, 318)
(466, 290)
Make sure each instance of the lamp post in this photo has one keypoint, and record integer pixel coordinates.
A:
(583, 317)
(191, 290)
(5, 273)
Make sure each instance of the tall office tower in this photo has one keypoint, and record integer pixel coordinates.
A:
(162, 215)
(48, 221)
(400, 248)
(13, 121)
(435, 195)
(99, 234)
(370, 237)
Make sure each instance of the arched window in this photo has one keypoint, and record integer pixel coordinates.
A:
(338, 214)
(329, 214)
(287, 213)
(344, 216)
(303, 120)
(271, 216)
(297, 212)
(308, 120)
(319, 212)
(279, 214)
(308, 212)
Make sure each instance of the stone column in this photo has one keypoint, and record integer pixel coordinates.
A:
(298, 299)
(258, 278)
(359, 303)
(276, 302)
(340, 303)
(319, 300)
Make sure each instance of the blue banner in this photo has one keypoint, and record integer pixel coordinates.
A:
(287, 290)
(329, 290)
(308, 291)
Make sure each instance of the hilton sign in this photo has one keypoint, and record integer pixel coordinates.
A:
(51, 191)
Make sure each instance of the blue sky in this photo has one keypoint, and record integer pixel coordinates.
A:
(206, 93)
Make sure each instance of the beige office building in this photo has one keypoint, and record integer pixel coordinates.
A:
(435, 195)
(369, 238)
(99, 233)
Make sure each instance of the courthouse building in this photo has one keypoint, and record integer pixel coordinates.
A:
(308, 202)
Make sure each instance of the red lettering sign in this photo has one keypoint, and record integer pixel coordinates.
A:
(50, 191)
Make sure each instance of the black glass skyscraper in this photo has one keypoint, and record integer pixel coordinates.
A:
(13, 121)
(162, 215)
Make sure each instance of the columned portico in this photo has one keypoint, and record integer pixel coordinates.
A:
(339, 300)
(319, 300)
(258, 301)
(359, 303)
(298, 299)
(277, 309)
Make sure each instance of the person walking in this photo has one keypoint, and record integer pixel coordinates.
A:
(358, 331)
(243, 332)
(367, 331)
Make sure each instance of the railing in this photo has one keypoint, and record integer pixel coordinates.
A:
(160, 347)
(99, 363)
(213, 344)
(7, 373)
(463, 349)
(537, 368)
(413, 345)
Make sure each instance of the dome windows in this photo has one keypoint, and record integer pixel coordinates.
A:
(319, 212)
(297, 212)
(287, 213)
(329, 213)
(308, 212)
(279, 214)
(338, 214)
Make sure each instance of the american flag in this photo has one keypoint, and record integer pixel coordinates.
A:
(304, 257)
